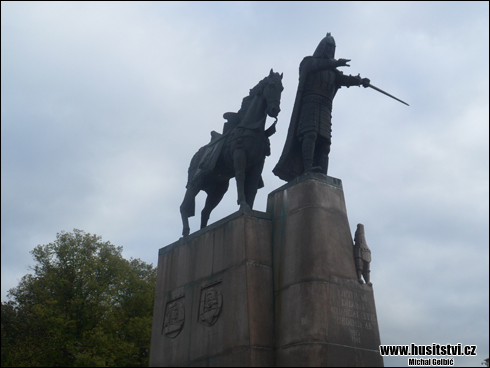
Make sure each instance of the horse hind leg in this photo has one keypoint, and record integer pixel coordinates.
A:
(187, 208)
(215, 196)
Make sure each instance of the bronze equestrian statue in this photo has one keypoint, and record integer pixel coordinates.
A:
(239, 152)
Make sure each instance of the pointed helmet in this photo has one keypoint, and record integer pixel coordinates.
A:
(326, 47)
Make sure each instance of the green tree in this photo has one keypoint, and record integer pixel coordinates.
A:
(83, 305)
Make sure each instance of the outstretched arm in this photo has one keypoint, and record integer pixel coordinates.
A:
(350, 80)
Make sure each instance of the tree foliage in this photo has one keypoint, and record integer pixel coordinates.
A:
(83, 305)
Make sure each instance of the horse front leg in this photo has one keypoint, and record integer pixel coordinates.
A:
(240, 163)
(186, 229)
(252, 182)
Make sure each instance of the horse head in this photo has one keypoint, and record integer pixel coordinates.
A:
(272, 93)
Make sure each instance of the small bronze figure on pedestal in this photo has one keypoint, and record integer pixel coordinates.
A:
(362, 255)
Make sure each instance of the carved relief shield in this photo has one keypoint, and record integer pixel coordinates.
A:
(174, 318)
(210, 305)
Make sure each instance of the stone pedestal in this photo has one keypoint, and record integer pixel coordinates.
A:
(213, 301)
(323, 315)
(270, 289)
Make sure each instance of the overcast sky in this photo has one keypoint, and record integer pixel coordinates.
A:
(103, 105)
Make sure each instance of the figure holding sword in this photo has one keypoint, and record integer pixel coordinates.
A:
(309, 136)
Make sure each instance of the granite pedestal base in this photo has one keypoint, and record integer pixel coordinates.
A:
(268, 289)
(213, 300)
(323, 315)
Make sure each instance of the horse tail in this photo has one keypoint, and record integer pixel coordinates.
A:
(196, 159)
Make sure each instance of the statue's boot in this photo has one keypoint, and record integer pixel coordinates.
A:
(359, 276)
(322, 153)
(324, 164)
(366, 274)
(308, 164)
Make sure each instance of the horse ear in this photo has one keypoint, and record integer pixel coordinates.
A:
(281, 75)
(272, 71)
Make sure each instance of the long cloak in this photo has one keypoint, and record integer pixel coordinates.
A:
(290, 163)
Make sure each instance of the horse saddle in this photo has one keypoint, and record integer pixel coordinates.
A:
(233, 121)
(205, 159)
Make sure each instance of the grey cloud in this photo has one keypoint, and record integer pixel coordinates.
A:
(103, 106)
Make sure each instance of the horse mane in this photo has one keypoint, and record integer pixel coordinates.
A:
(253, 92)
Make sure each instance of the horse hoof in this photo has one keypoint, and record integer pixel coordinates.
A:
(186, 232)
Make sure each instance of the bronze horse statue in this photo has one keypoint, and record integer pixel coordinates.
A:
(239, 152)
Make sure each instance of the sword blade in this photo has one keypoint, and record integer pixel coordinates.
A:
(387, 94)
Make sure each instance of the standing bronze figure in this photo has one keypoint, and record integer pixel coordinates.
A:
(362, 255)
(239, 152)
(309, 137)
